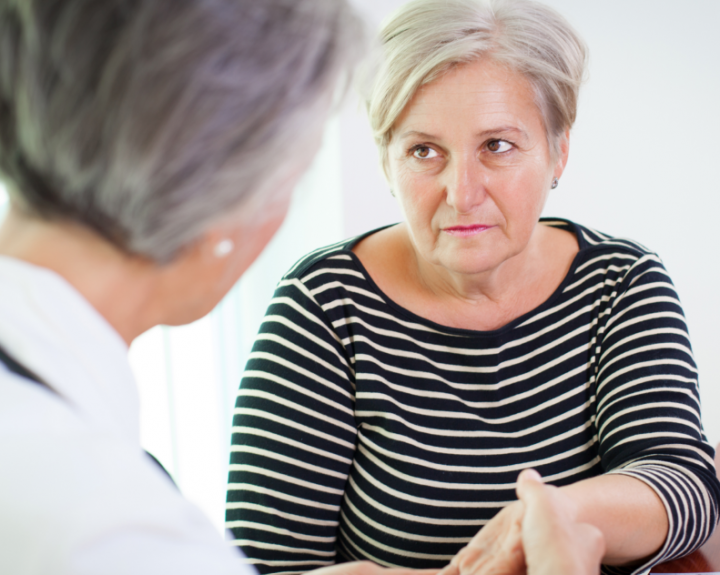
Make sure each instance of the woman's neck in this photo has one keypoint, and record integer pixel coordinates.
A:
(493, 287)
(483, 301)
(118, 286)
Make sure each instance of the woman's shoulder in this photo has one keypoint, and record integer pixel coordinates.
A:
(620, 260)
(591, 240)
(339, 256)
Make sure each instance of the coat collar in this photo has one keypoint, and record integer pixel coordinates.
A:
(51, 329)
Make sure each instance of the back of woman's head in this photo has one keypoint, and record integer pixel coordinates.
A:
(147, 119)
(425, 38)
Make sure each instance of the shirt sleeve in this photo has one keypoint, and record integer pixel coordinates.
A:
(648, 406)
(293, 438)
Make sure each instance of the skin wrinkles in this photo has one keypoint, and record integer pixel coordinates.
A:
(471, 149)
(480, 186)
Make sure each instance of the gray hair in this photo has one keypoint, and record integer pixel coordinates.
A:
(426, 38)
(148, 119)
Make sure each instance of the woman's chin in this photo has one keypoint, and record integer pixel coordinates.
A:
(471, 260)
(468, 268)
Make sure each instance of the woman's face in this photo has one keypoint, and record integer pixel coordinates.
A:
(471, 167)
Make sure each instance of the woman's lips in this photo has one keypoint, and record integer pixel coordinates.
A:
(465, 231)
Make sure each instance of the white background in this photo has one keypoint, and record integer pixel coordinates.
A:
(644, 163)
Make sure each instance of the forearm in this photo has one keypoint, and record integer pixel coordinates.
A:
(627, 511)
(631, 520)
(648, 425)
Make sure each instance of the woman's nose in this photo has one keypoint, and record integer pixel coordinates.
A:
(465, 187)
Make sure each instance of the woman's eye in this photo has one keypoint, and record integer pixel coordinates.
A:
(424, 153)
(499, 146)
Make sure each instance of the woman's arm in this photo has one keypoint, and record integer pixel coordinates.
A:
(293, 438)
(648, 424)
(628, 513)
(658, 498)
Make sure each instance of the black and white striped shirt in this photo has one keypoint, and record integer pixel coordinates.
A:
(364, 431)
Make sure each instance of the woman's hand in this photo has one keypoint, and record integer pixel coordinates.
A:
(368, 568)
(539, 534)
(496, 549)
(553, 541)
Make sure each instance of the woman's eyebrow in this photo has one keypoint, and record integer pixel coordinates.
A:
(500, 130)
(417, 134)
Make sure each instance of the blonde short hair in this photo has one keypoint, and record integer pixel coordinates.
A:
(425, 38)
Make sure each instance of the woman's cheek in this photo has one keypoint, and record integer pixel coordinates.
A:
(404, 185)
(418, 198)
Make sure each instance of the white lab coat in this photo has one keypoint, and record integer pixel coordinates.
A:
(78, 496)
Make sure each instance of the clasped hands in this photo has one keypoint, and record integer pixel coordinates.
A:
(539, 535)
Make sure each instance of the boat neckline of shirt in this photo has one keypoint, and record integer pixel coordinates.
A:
(583, 247)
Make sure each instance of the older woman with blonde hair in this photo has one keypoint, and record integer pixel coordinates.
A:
(402, 379)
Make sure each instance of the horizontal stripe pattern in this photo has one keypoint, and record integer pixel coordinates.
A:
(363, 431)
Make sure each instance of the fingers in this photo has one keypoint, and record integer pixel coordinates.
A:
(544, 500)
(451, 569)
(351, 568)
(377, 570)
(529, 484)
(531, 475)
(555, 542)
(590, 539)
(497, 548)
(369, 568)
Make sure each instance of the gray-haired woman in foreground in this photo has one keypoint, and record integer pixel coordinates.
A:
(149, 148)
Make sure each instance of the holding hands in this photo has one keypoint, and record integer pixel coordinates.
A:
(538, 535)
(554, 542)
(368, 568)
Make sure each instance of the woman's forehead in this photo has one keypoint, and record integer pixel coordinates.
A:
(479, 96)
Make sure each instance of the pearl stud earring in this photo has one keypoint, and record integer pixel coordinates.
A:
(224, 248)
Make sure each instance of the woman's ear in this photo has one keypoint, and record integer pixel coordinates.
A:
(563, 154)
(216, 244)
